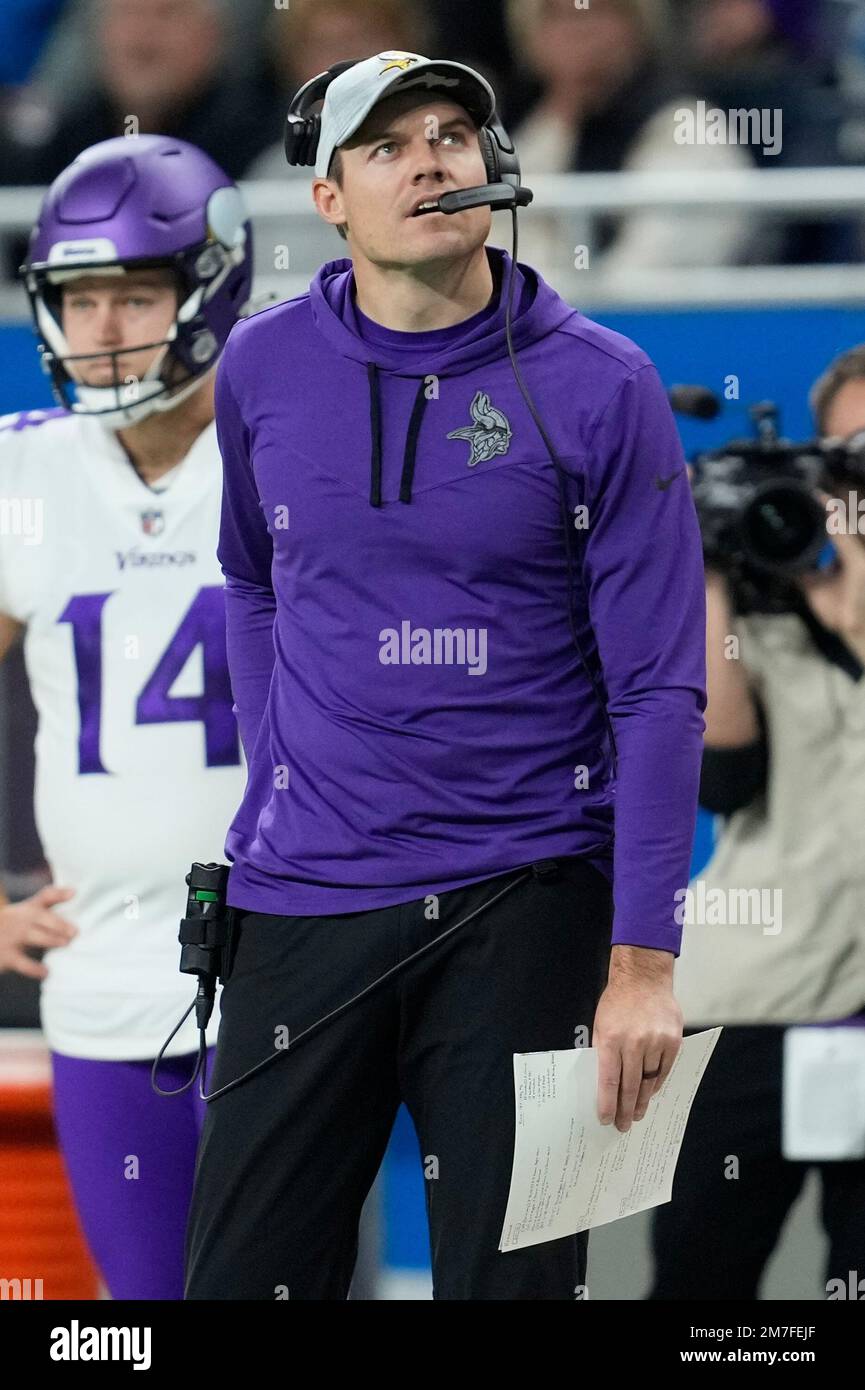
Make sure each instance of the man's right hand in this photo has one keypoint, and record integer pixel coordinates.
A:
(32, 923)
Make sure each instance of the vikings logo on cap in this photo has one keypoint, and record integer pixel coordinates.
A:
(390, 61)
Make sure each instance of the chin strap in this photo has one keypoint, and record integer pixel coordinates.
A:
(117, 417)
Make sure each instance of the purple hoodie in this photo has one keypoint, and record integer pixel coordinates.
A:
(413, 709)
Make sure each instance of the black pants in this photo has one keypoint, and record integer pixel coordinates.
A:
(714, 1239)
(287, 1158)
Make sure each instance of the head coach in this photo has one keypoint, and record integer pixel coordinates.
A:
(466, 634)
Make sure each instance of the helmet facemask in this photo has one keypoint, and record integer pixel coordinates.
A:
(168, 380)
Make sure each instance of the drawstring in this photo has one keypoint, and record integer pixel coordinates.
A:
(410, 453)
(375, 427)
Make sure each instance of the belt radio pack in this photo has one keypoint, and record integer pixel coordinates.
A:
(208, 938)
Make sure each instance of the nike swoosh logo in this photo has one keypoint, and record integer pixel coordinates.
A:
(663, 483)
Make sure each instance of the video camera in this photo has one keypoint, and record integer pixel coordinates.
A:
(761, 520)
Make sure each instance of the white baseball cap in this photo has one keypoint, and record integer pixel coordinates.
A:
(351, 96)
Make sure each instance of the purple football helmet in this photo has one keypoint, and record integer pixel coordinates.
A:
(144, 200)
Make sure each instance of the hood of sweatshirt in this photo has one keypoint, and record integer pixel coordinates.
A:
(538, 311)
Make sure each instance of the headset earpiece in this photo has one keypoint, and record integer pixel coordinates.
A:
(500, 155)
(302, 124)
(312, 131)
(488, 150)
(297, 138)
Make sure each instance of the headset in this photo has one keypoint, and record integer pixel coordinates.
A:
(504, 191)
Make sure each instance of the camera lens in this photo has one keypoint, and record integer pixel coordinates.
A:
(783, 528)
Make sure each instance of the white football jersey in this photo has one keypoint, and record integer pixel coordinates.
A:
(138, 763)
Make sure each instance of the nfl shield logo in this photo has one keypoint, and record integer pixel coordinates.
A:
(152, 523)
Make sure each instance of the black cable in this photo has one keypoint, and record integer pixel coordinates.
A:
(560, 474)
(341, 1008)
(202, 1052)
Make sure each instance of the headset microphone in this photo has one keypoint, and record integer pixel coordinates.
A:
(501, 197)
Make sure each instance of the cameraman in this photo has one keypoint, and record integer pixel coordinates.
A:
(784, 762)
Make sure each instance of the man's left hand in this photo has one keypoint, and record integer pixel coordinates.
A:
(638, 1028)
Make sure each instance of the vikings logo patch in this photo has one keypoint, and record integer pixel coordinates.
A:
(489, 435)
(394, 61)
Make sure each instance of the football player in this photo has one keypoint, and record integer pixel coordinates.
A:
(137, 269)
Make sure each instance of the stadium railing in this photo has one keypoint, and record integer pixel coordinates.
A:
(816, 194)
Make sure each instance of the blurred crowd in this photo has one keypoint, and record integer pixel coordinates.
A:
(588, 85)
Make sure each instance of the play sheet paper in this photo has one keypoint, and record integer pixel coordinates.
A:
(570, 1172)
